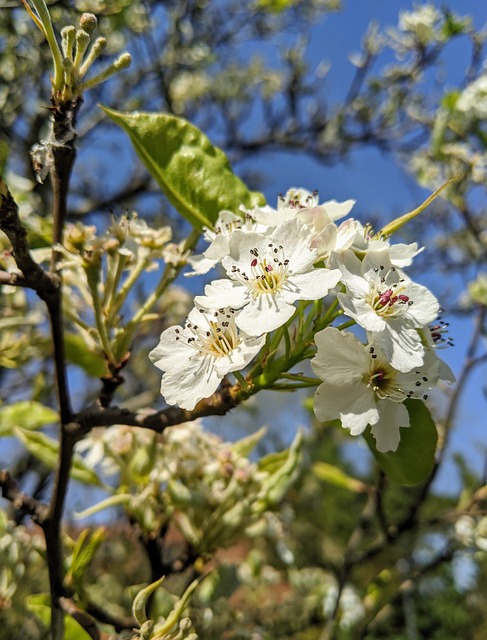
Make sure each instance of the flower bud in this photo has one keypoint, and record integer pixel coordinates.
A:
(88, 22)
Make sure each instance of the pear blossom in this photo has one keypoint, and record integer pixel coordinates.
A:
(364, 241)
(387, 305)
(195, 358)
(266, 275)
(304, 205)
(219, 238)
(360, 387)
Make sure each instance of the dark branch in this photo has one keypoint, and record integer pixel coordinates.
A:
(21, 501)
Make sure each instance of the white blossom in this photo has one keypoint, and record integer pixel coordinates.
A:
(219, 238)
(473, 99)
(195, 358)
(300, 203)
(267, 274)
(360, 387)
(386, 304)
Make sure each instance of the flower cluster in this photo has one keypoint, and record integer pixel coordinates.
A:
(297, 253)
(188, 477)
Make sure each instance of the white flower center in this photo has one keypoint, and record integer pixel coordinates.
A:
(218, 339)
(265, 275)
(383, 380)
(388, 300)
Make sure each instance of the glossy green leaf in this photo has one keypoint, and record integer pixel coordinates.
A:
(27, 414)
(46, 449)
(39, 605)
(77, 353)
(414, 458)
(195, 176)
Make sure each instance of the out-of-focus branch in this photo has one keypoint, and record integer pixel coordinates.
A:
(44, 284)
(83, 619)
(21, 501)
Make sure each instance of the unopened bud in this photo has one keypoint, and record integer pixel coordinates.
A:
(124, 61)
(82, 42)
(68, 35)
(88, 22)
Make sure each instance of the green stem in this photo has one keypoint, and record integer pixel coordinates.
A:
(57, 57)
(113, 279)
(345, 325)
(100, 319)
(125, 289)
(241, 380)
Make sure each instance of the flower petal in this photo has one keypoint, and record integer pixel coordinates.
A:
(386, 430)
(353, 404)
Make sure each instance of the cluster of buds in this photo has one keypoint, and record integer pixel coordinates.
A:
(207, 488)
(76, 55)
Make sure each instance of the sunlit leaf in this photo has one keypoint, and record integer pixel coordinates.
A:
(195, 176)
(39, 605)
(27, 414)
(77, 353)
(86, 546)
(47, 450)
(333, 475)
(245, 446)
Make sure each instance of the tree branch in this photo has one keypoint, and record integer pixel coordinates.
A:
(21, 501)
(222, 401)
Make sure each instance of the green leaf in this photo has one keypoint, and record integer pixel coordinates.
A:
(40, 606)
(173, 618)
(85, 548)
(414, 458)
(195, 176)
(112, 501)
(77, 353)
(138, 607)
(333, 475)
(274, 6)
(283, 474)
(46, 449)
(27, 414)
(245, 446)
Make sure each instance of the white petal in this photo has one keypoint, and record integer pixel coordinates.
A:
(191, 382)
(353, 404)
(425, 306)
(311, 285)
(340, 358)
(401, 345)
(295, 237)
(351, 269)
(337, 210)
(201, 264)
(361, 312)
(386, 430)
(264, 313)
(172, 348)
(223, 293)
